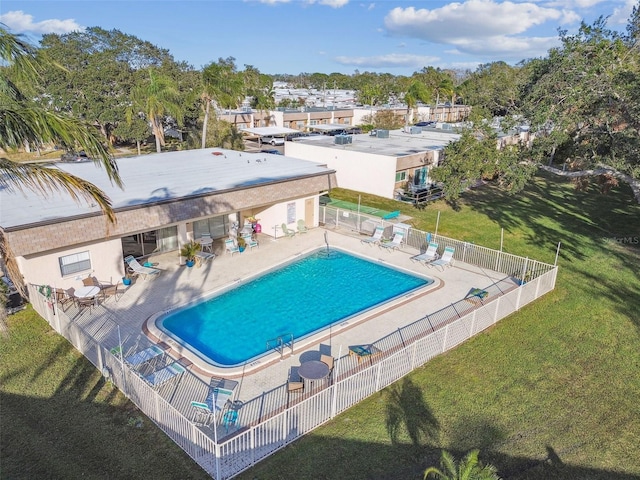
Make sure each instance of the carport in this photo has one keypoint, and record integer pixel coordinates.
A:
(328, 128)
(269, 132)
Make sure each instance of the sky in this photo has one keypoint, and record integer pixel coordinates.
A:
(327, 36)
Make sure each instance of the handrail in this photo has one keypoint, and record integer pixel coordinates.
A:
(279, 343)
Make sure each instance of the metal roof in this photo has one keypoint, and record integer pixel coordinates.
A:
(156, 178)
(269, 131)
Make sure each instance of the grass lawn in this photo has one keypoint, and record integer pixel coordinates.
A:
(551, 392)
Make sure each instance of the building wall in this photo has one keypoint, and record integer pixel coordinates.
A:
(360, 171)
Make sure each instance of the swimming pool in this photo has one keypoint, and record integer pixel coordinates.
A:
(300, 298)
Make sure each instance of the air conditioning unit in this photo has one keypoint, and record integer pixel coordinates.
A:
(343, 139)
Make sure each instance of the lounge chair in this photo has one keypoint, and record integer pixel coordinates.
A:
(395, 242)
(376, 237)
(476, 295)
(202, 414)
(445, 261)
(248, 239)
(429, 256)
(135, 267)
(230, 246)
(202, 257)
(289, 233)
(302, 228)
(219, 398)
(144, 355)
(162, 376)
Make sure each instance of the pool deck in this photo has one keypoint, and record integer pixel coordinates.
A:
(262, 388)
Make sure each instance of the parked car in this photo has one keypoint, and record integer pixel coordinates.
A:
(272, 151)
(273, 140)
(74, 157)
(425, 124)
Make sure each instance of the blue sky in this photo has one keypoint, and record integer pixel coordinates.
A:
(294, 36)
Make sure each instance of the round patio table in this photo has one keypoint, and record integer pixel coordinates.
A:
(86, 292)
(313, 370)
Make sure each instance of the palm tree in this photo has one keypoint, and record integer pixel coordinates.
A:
(23, 124)
(156, 97)
(222, 86)
(469, 468)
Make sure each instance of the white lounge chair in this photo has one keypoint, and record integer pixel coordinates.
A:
(135, 267)
(248, 239)
(376, 237)
(429, 256)
(230, 246)
(143, 356)
(395, 242)
(202, 257)
(446, 260)
(162, 376)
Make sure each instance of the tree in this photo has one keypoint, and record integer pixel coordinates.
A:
(156, 98)
(469, 468)
(476, 156)
(583, 100)
(24, 123)
(223, 86)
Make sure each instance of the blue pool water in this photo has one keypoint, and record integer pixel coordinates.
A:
(300, 298)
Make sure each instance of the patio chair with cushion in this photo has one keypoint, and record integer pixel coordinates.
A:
(429, 256)
(111, 291)
(251, 243)
(230, 246)
(446, 260)
(328, 359)
(395, 242)
(294, 383)
(136, 268)
(375, 237)
(64, 297)
(289, 233)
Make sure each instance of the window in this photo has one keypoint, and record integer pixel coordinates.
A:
(78, 262)
(401, 176)
(291, 213)
(217, 227)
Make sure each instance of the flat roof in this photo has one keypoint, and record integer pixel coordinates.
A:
(156, 178)
(329, 127)
(399, 143)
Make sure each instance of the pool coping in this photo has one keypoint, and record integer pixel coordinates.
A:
(193, 361)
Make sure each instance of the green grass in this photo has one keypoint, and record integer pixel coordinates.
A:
(550, 392)
(60, 419)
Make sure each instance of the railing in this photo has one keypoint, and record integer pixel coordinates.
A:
(279, 344)
(402, 352)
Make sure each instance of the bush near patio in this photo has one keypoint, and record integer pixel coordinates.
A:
(550, 392)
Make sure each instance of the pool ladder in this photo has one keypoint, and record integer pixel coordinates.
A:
(280, 343)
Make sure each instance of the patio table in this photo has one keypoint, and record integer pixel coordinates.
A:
(87, 292)
(313, 370)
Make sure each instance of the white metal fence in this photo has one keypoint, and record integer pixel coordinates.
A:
(419, 341)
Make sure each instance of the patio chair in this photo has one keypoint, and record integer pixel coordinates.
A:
(144, 355)
(63, 297)
(230, 246)
(111, 291)
(206, 242)
(202, 414)
(375, 237)
(302, 228)
(219, 398)
(248, 239)
(289, 233)
(429, 256)
(162, 376)
(294, 384)
(83, 303)
(135, 267)
(446, 260)
(395, 242)
(328, 359)
(202, 257)
(230, 419)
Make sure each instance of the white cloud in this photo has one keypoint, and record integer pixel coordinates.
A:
(480, 27)
(20, 22)
(622, 14)
(392, 60)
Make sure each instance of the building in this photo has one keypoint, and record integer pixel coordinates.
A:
(167, 199)
(380, 165)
